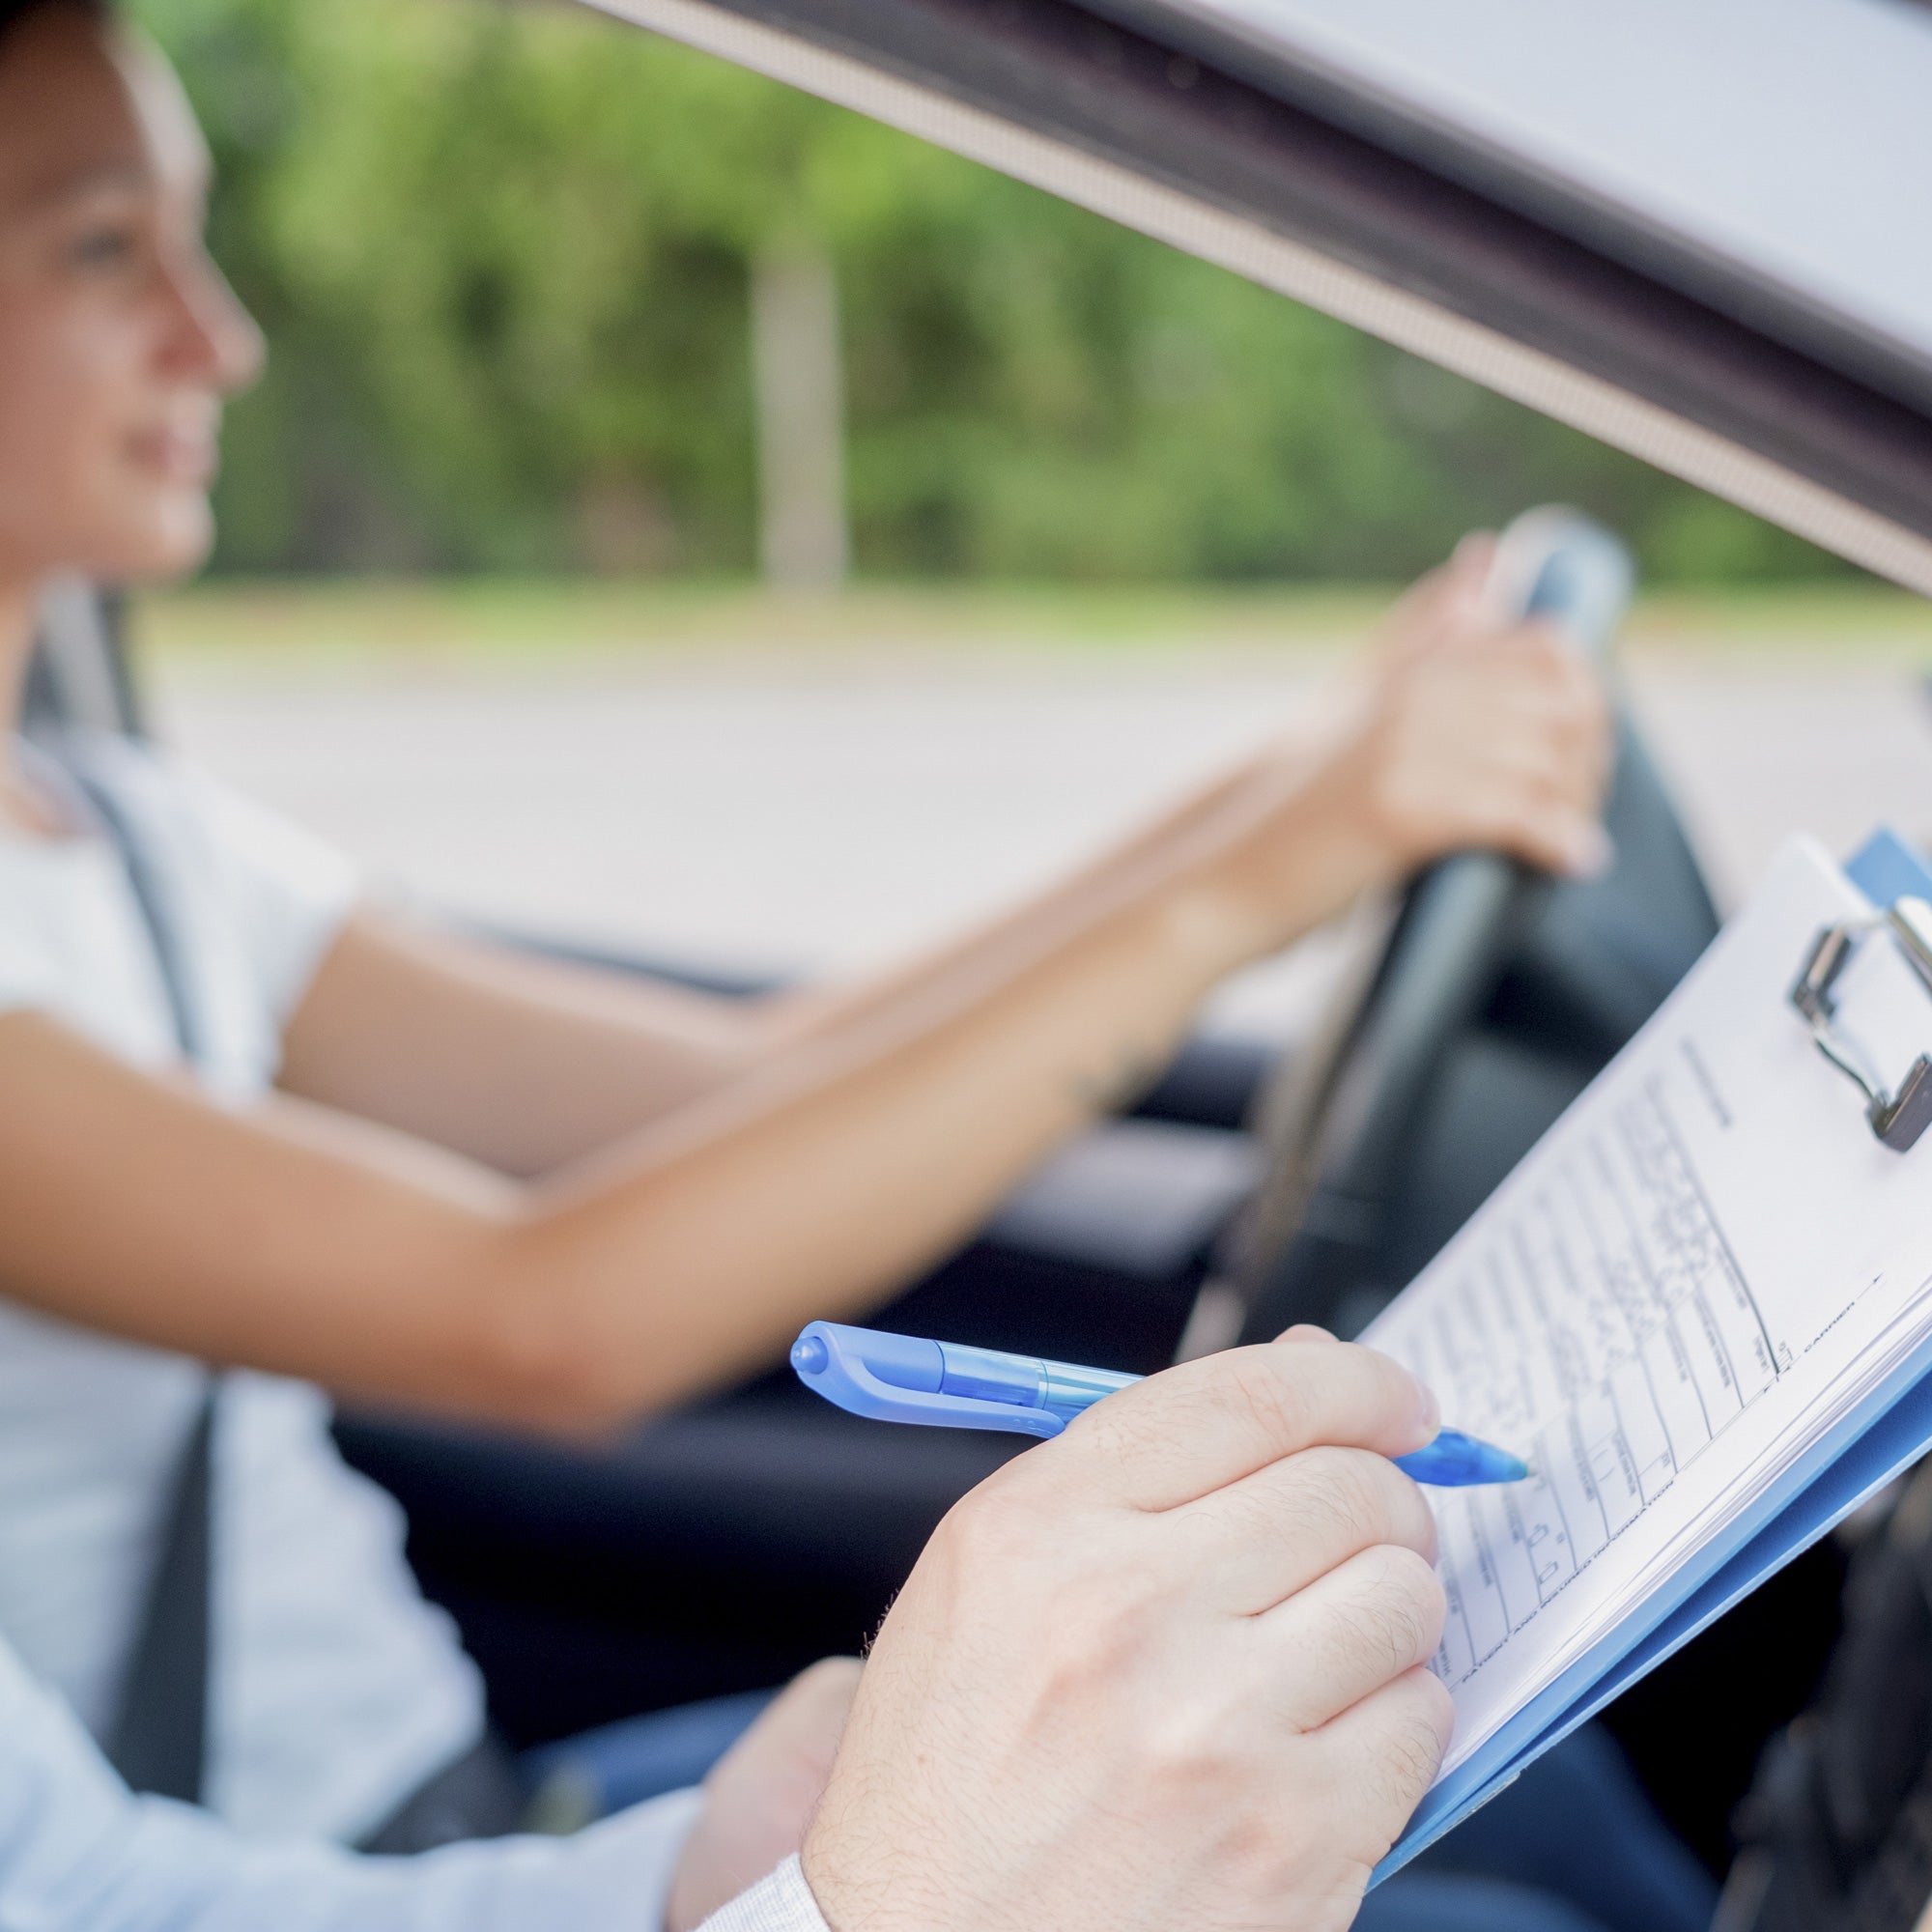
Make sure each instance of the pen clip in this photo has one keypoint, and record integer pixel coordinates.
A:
(848, 1383)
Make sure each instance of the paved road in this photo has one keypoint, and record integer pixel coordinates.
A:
(829, 813)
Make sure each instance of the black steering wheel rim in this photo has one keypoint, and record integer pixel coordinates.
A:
(1337, 1124)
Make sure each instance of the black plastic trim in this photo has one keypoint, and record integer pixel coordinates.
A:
(1764, 305)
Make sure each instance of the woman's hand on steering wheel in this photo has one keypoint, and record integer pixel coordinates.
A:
(1480, 733)
(1459, 732)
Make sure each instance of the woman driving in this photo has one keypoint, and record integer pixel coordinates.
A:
(255, 1121)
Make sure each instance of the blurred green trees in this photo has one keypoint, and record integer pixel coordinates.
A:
(501, 253)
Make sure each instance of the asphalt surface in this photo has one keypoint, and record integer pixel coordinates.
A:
(825, 813)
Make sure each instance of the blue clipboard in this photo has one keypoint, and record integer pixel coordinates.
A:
(1869, 1448)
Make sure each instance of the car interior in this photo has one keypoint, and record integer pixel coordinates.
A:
(726, 1545)
(723, 1547)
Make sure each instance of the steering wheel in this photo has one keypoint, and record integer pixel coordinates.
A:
(1336, 1122)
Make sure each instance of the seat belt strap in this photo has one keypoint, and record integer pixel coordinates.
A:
(159, 1739)
(144, 881)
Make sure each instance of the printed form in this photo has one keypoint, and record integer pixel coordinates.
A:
(1700, 1267)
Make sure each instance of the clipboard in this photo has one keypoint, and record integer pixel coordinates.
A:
(1870, 1445)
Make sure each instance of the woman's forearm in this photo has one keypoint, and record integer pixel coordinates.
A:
(528, 1065)
(817, 1186)
(301, 1241)
(1141, 863)
(1461, 736)
(815, 1189)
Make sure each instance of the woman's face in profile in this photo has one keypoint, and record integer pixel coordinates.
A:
(117, 338)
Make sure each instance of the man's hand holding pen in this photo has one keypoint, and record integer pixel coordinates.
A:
(1167, 1668)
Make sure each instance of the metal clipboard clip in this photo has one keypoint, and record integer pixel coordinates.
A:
(1896, 1118)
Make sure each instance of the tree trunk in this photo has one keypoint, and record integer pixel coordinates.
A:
(799, 392)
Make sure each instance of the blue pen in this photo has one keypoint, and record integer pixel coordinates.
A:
(947, 1385)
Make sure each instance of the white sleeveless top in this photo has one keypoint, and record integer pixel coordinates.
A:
(336, 1688)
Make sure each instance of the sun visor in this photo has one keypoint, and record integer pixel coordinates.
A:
(1697, 234)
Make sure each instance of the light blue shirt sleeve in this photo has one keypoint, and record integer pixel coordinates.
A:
(783, 1903)
(80, 1854)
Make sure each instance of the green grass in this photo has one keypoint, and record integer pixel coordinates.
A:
(517, 620)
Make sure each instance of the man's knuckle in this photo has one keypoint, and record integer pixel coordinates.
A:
(1345, 1649)
(1086, 1667)
(1399, 1620)
(1384, 1641)
(1358, 1500)
(1287, 1516)
(1271, 1386)
(1406, 1634)
(1412, 1522)
(1417, 1586)
(1187, 1748)
(995, 1528)
(1406, 1776)
(1418, 1744)
(1435, 1707)
(1313, 1522)
(1405, 1762)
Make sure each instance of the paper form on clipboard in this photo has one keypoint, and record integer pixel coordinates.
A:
(1686, 1304)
